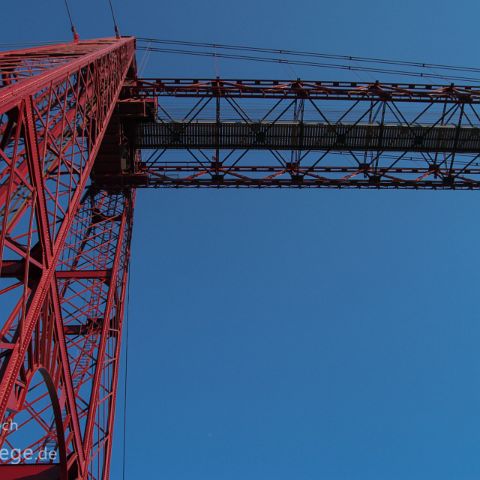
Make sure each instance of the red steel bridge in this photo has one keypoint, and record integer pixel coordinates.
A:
(76, 128)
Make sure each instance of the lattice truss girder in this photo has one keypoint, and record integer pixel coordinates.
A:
(60, 327)
(265, 133)
(91, 278)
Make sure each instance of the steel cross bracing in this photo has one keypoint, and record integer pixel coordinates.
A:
(74, 120)
(309, 134)
(64, 250)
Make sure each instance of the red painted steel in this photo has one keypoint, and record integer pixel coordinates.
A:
(73, 118)
(244, 133)
(61, 325)
(312, 89)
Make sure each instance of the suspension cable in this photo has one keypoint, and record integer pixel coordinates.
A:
(72, 26)
(124, 459)
(115, 24)
(301, 53)
(308, 63)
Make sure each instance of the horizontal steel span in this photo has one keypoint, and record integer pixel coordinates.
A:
(280, 133)
(312, 89)
(214, 175)
(307, 136)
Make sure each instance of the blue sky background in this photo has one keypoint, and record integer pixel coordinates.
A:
(296, 334)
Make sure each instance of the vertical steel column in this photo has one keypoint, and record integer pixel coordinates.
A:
(55, 105)
(92, 277)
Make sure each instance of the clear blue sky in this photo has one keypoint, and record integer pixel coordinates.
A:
(297, 334)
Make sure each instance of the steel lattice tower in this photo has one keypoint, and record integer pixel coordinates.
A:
(73, 121)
